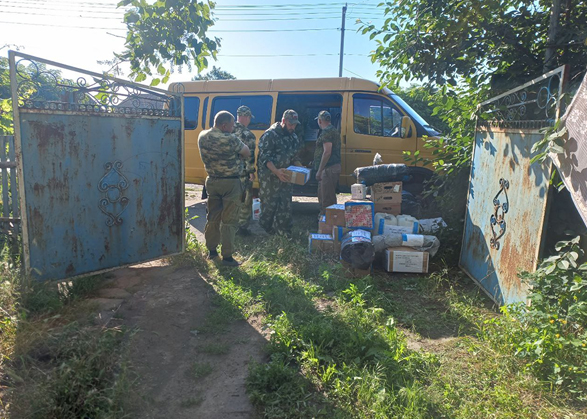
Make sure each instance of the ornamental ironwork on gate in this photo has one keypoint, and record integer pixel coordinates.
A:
(101, 169)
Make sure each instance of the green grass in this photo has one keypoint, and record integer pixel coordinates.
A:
(215, 349)
(56, 362)
(191, 402)
(377, 347)
(200, 369)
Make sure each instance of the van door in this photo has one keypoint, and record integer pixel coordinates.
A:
(195, 107)
(374, 125)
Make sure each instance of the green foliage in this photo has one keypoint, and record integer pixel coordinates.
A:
(74, 372)
(474, 41)
(550, 334)
(553, 142)
(421, 99)
(167, 31)
(214, 74)
(554, 339)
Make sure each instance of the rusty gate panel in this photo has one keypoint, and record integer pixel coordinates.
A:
(101, 169)
(505, 212)
(508, 196)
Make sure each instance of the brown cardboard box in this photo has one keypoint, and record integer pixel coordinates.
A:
(324, 228)
(335, 215)
(351, 272)
(406, 259)
(321, 242)
(395, 209)
(298, 175)
(387, 193)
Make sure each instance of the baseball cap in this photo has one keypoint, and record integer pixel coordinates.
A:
(291, 116)
(324, 115)
(244, 111)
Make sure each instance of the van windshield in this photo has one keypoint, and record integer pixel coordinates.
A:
(414, 115)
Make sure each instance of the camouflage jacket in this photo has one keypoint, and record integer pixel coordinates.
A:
(328, 135)
(278, 146)
(247, 137)
(220, 153)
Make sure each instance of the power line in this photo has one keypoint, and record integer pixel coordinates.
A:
(241, 8)
(286, 55)
(121, 17)
(210, 31)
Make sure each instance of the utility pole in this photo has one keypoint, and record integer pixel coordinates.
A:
(342, 40)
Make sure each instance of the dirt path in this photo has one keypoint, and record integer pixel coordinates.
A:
(181, 371)
(168, 308)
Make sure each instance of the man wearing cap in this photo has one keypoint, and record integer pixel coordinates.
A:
(241, 130)
(222, 154)
(278, 149)
(327, 161)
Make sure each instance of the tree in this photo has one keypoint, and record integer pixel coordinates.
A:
(38, 81)
(167, 32)
(214, 74)
(475, 41)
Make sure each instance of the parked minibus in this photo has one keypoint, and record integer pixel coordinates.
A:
(370, 119)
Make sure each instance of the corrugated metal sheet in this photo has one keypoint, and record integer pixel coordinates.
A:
(503, 226)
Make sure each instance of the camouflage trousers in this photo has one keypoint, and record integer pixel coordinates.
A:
(246, 211)
(224, 200)
(275, 198)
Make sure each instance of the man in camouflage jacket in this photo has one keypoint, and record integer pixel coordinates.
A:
(222, 154)
(278, 149)
(241, 130)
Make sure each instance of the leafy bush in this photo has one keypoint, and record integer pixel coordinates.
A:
(550, 334)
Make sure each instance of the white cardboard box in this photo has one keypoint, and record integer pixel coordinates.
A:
(404, 259)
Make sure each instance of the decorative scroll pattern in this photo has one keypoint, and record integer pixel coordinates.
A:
(498, 217)
(46, 89)
(535, 103)
(113, 185)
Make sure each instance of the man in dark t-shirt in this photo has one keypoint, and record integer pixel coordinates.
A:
(327, 161)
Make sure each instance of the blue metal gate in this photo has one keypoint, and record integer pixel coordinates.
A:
(508, 196)
(101, 169)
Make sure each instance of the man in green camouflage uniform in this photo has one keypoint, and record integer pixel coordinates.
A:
(278, 149)
(327, 161)
(241, 130)
(222, 154)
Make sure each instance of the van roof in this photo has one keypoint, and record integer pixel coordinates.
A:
(336, 84)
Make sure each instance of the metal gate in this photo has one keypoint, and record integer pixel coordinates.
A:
(100, 169)
(508, 196)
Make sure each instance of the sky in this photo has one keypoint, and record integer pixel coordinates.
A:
(260, 39)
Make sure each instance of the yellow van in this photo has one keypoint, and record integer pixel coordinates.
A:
(370, 119)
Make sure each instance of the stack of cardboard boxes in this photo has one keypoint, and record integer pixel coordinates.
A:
(360, 213)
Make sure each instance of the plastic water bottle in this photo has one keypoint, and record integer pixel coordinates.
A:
(256, 208)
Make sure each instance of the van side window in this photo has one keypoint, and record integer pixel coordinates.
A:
(191, 109)
(260, 107)
(375, 116)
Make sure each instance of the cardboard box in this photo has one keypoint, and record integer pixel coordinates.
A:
(351, 272)
(335, 215)
(324, 228)
(320, 242)
(404, 259)
(395, 209)
(298, 175)
(358, 191)
(387, 193)
(359, 214)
